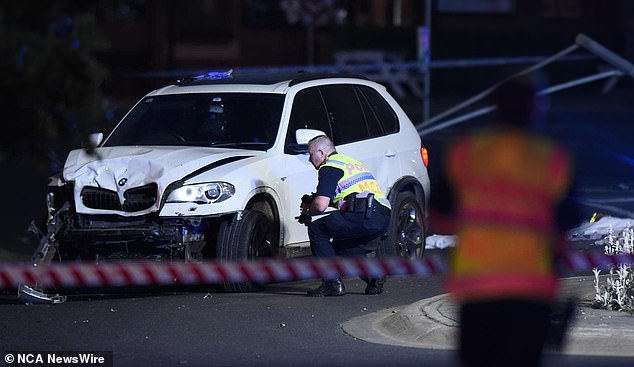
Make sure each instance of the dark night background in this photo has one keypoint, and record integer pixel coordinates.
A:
(70, 68)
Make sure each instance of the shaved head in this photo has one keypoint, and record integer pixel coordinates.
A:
(323, 143)
(319, 148)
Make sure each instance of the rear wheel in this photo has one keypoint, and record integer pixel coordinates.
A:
(406, 234)
(247, 238)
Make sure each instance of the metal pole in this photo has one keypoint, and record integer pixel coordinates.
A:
(607, 55)
(549, 90)
(488, 91)
(427, 59)
(457, 120)
(310, 40)
(576, 82)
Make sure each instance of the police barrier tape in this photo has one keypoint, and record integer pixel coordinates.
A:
(211, 272)
(80, 275)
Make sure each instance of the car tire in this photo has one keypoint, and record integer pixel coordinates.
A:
(246, 238)
(406, 234)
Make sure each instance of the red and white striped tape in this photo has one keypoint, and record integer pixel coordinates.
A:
(261, 271)
(74, 275)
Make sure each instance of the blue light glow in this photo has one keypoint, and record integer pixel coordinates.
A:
(214, 75)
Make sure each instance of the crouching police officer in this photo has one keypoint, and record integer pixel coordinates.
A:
(363, 215)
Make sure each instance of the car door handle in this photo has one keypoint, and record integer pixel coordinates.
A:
(390, 153)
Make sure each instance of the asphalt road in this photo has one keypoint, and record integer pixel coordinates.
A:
(198, 327)
(279, 326)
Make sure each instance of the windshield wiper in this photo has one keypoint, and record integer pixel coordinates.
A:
(225, 144)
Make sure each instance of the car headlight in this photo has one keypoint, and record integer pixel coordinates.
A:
(204, 193)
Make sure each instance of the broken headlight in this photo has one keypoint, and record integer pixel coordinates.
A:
(204, 193)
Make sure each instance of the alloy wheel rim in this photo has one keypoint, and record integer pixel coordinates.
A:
(409, 232)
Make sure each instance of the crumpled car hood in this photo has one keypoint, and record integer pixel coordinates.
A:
(121, 168)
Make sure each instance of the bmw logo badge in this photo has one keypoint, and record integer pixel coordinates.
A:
(123, 181)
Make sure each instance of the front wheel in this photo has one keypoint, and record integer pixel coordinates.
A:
(246, 238)
(406, 234)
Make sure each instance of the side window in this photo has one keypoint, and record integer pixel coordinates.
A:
(374, 126)
(382, 110)
(308, 112)
(345, 113)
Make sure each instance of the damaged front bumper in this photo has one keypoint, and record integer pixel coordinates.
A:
(71, 237)
(94, 238)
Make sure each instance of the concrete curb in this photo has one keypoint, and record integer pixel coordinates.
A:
(423, 324)
(432, 323)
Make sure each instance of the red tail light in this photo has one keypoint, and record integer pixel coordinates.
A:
(425, 155)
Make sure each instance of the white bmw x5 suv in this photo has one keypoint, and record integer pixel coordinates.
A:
(215, 166)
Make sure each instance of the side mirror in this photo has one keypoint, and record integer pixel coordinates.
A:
(93, 142)
(303, 136)
(95, 139)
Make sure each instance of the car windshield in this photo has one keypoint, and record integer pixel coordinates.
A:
(229, 120)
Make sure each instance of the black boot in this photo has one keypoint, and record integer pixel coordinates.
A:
(375, 285)
(328, 288)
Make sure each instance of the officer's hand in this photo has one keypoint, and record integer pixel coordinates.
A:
(305, 219)
(304, 208)
(308, 198)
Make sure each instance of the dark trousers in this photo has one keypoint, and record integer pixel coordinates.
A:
(348, 232)
(508, 332)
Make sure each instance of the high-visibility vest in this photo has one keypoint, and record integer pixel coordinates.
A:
(356, 178)
(507, 186)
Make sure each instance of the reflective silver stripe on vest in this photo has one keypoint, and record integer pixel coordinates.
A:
(353, 180)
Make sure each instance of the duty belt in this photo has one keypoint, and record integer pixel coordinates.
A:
(378, 208)
(367, 205)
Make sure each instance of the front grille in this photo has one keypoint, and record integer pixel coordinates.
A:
(98, 198)
(139, 198)
(135, 199)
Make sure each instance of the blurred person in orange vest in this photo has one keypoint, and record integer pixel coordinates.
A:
(508, 183)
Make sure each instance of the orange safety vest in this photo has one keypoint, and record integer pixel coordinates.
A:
(507, 186)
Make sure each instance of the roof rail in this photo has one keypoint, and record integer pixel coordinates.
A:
(308, 77)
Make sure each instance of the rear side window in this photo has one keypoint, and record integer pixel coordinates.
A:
(345, 113)
(381, 110)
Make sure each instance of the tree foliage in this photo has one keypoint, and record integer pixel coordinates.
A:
(50, 79)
